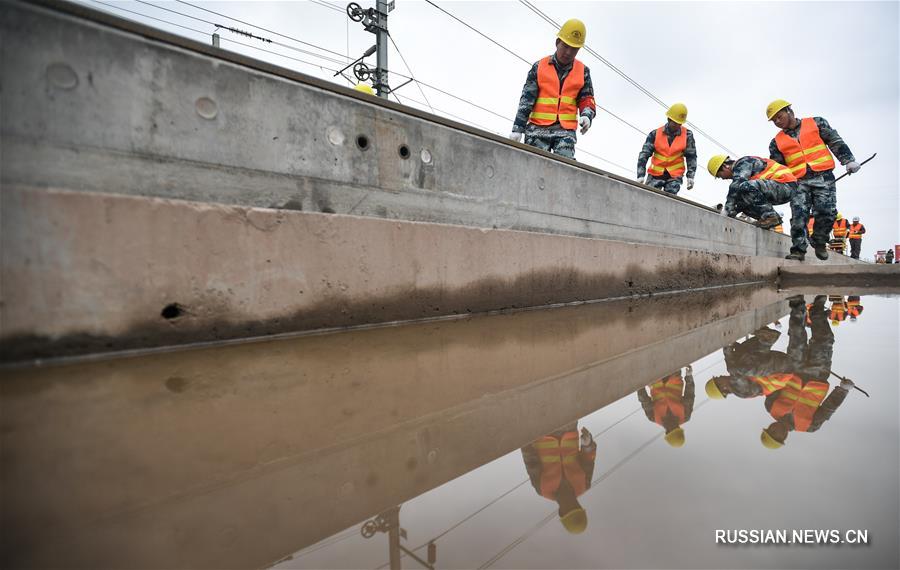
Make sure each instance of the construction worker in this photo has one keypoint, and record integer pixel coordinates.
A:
(672, 153)
(854, 308)
(558, 97)
(855, 235)
(561, 471)
(803, 146)
(839, 231)
(889, 256)
(800, 403)
(756, 184)
(670, 404)
(752, 367)
(839, 310)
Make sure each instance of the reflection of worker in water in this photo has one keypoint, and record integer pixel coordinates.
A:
(839, 310)
(800, 404)
(854, 308)
(751, 365)
(561, 471)
(670, 403)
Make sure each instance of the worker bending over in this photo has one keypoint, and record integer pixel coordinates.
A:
(558, 97)
(756, 184)
(672, 153)
(803, 146)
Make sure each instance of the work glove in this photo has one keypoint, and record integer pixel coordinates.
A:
(853, 167)
(847, 384)
(585, 123)
(690, 183)
(586, 438)
(688, 370)
(517, 137)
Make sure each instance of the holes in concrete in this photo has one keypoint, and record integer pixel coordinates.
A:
(362, 141)
(403, 151)
(172, 311)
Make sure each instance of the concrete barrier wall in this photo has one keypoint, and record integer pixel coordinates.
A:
(238, 456)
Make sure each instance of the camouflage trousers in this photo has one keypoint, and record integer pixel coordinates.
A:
(670, 185)
(811, 358)
(553, 139)
(758, 196)
(816, 196)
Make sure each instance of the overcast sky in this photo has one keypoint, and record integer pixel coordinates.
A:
(724, 60)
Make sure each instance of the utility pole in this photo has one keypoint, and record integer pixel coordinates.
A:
(375, 21)
(215, 40)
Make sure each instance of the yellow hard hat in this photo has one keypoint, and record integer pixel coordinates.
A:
(839, 216)
(775, 106)
(713, 391)
(363, 88)
(715, 163)
(678, 113)
(572, 33)
(575, 521)
(768, 441)
(675, 438)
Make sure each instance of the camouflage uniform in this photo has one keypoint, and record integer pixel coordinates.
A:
(756, 197)
(817, 193)
(553, 138)
(666, 181)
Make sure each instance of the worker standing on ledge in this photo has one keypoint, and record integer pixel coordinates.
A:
(558, 97)
(839, 231)
(803, 146)
(856, 232)
(669, 147)
(756, 184)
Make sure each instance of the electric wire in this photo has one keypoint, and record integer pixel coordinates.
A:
(408, 68)
(625, 76)
(327, 5)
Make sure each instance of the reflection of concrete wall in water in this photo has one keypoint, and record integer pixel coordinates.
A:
(257, 450)
(95, 114)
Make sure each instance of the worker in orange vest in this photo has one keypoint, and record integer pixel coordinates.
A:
(839, 231)
(751, 364)
(856, 232)
(798, 400)
(672, 153)
(854, 308)
(560, 466)
(558, 97)
(839, 311)
(805, 147)
(670, 404)
(756, 184)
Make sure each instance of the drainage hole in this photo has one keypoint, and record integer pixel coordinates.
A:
(404, 151)
(172, 311)
(362, 141)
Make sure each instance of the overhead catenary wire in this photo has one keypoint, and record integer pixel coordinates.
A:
(625, 76)
(408, 68)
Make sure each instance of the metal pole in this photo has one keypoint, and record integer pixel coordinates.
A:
(381, 43)
(215, 40)
(393, 517)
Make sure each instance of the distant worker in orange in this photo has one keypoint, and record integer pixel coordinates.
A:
(854, 308)
(558, 97)
(840, 230)
(560, 466)
(805, 146)
(670, 404)
(672, 153)
(856, 232)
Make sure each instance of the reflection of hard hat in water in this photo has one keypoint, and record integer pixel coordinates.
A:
(769, 442)
(675, 438)
(713, 390)
(575, 521)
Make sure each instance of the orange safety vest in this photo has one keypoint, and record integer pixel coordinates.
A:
(560, 457)
(772, 382)
(800, 400)
(554, 104)
(668, 157)
(667, 397)
(840, 228)
(809, 225)
(838, 312)
(856, 231)
(774, 171)
(779, 228)
(809, 150)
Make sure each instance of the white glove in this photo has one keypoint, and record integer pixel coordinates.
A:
(586, 437)
(853, 167)
(585, 123)
(688, 371)
(516, 136)
(690, 183)
(847, 384)
(647, 179)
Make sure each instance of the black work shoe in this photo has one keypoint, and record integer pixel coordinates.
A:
(796, 256)
(821, 252)
(769, 222)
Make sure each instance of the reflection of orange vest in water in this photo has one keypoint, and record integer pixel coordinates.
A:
(838, 312)
(667, 397)
(800, 400)
(809, 225)
(560, 457)
(772, 382)
(853, 306)
(555, 103)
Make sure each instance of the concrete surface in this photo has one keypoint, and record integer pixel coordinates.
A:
(863, 275)
(236, 457)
